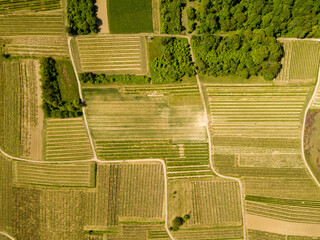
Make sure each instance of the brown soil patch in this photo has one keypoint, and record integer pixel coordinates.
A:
(36, 133)
(103, 15)
(281, 227)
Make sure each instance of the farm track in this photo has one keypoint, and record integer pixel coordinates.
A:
(210, 144)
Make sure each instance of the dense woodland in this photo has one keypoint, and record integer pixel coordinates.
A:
(82, 17)
(174, 63)
(249, 53)
(93, 78)
(170, 11)
(52, 103)
(292, 18)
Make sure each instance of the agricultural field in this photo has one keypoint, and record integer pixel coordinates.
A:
(134, 16)
(21, 116)
(111, 54)
(36, 46)
(59, 174)
(49, 23)
(300, 63)
(5, 193)
(66, 139)
(7, 6)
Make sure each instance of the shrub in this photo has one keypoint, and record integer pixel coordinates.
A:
(93, 78)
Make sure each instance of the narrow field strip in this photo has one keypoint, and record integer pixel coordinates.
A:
(67, 175)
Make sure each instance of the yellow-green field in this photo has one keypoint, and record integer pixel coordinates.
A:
(112, 54)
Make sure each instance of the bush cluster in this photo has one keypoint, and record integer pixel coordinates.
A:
(93, 78)
(177, 222)
(174, 63)
(170, 11)
(249, 53)
(52, 103)
(82, 17)
(294, 18)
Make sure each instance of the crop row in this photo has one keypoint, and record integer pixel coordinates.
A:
(110, 54)
(37, 50)
(67, 140)
(32, 24)
(5, 193)
(286, 213)
(209, 202)
(80, 174)
(34, 5)
(210, 233)
(19, 98)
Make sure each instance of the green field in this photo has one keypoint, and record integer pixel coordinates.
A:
(133, 16)
(33, 5)
(67, 139)
(50, 23)
(67, 80)
(112, 54)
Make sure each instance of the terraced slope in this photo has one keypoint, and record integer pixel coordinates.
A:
(48, 23)
(112, 54)
(67, 139)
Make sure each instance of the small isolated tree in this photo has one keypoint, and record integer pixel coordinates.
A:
(186, 217)
(177, 223)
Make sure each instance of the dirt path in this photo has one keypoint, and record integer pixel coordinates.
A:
(316, 89)
(102, 14)
(7, 235)
(210, 145)
(36, 133)
(282, 227)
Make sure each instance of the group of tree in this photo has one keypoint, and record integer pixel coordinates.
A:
(177, 222)
(93, 78)
(170, 11)
(191, 15)
(292, 18)
(245, 54)
(174, 63)
(82, 17)
(52, 102)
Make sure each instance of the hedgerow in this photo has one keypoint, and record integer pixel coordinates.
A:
(52, 103)
(170, 12)
(93, 78)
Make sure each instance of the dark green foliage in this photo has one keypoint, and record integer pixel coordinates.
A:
(177, 222)
(93, 78)
(294, 18)
(245, 54)
(174, 63)
(170, 11)
(52, 103)
(82, 17)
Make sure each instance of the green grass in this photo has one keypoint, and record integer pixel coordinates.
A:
(233, 79)
(67, 80)
(131, 16)
(155, 48)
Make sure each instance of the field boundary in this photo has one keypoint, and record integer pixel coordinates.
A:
(210, 144)
(7, 235)
(303, 127)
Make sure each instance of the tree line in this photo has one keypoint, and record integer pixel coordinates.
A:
(244, 54)
(174, 63)
(170, 14)
(93, 78)
(82, 17)
(52, 102)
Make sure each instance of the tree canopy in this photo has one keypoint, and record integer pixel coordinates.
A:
(52, 103)
(170, 11)
(82, 17)
(249, 53)
(292, 18)
(174, 63)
